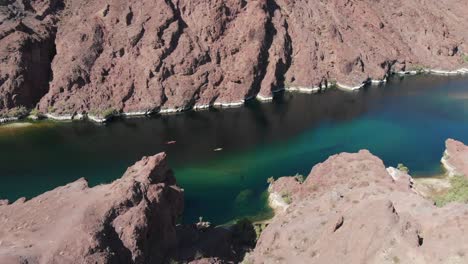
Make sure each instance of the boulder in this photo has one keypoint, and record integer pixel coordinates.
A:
(131, 220)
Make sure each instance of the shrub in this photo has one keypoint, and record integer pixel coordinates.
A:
(271, 180)
(286, 196)
(458, 192)
(259, 227)
(402, 168)
(465, 58)
(37, 113)
(332, 84)
(19, 111)
(418, 68)
(300, 178)
(34, 112)
(108, 113)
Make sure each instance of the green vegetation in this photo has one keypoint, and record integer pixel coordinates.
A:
(271, 180)
(446, 156)
(50, 109)
(34, 112)
(19, 111)
(332, 84)
(259, 227)
(300, 178)
(402, 168)
(458, 192)
(465, 58)
(108, 113)
(37, 113)
(286, 196)
(418, 68)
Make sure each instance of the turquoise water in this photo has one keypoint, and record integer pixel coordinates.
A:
(405, 121)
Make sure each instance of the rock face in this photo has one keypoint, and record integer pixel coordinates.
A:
(350, 208)
(455, 159)
(131, 220)
(149, 56)
(27, 33)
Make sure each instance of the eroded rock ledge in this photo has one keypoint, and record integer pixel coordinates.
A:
(141, 57)
(352, 208)
(131, 220)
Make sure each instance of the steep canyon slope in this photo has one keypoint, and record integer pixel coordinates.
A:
(146, 56)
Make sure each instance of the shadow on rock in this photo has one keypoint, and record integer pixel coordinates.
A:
(202, 243)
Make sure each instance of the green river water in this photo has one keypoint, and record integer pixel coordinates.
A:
(405, 121)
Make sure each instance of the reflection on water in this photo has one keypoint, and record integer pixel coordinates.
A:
(406, 121)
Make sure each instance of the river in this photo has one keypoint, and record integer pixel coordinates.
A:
(404, 121)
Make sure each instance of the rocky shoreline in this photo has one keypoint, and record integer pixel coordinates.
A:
(258, 97)
(67, 60)
(352, 207)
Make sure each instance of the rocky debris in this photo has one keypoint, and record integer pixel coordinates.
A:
(455, 159)
(351, 208)
(131, 220)
(140, 57)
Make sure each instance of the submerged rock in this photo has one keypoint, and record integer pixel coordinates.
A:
(131, 220)
(351, 208)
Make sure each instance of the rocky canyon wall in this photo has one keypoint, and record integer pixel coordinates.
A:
(142, 57)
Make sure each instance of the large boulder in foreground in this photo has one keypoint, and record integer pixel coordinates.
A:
(131, 220)
(351, 209)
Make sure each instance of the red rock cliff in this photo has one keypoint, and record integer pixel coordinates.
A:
(149, 56)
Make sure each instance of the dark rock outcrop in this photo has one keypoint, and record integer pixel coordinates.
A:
(352, 208)
(131, 220)
(149, 56)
